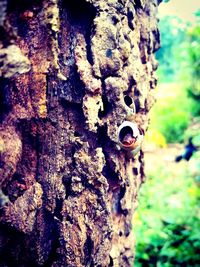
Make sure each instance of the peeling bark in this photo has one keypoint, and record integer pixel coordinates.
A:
(71, 73)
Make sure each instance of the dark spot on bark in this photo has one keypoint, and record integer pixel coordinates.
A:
(156, 40)
(153, 83)
(130, 15)
(131, 24)
(115, 206)
(77, 134)
(111, 263)
(102, 135)
(88, 248)
(107, 107)
(71, 90)
(67, 181)
(109, 173)
(142, 166)
(135, 171)
(18, 177)
(58, 209)
(136, 92)
(80, 11)
(121, 195)
(69, 219)
(132, 82)
(109, 53)
(122, 191)
(5, 97)
(137, 105)
(138, 3)
(115, 20)
(88, 46)
(73, 151)
(127, 229)
(23, 27)
(2, 163)
(126, 260)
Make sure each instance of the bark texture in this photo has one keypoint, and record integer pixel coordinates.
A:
(70, 71)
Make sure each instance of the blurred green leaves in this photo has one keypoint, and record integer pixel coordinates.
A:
(171, 114)
(179, 79)
(167, 222)
(173, 37)
(194, 63)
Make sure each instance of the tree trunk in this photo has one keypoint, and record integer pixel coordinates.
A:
(71, 73)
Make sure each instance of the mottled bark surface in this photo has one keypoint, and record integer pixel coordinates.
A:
(69, 70)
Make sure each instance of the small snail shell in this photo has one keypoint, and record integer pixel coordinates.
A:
(129, 137)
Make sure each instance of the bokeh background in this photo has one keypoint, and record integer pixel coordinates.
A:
(167, 221)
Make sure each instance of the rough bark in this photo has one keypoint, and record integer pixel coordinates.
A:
(66, 67)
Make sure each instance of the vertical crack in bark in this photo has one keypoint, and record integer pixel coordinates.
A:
(82, 14)
(88, 249)
(5, 101)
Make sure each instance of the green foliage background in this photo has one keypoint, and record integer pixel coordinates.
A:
(172, 113)
(167, 223)
(179, 78)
